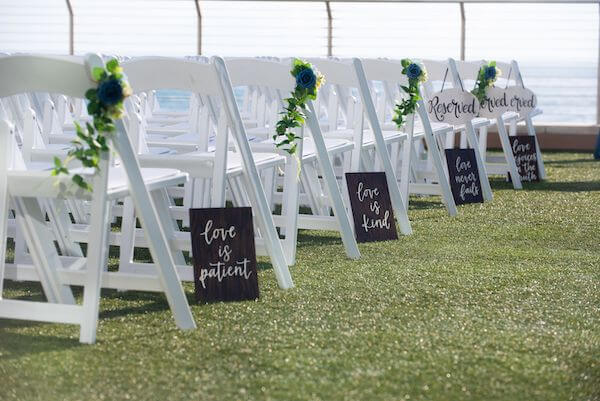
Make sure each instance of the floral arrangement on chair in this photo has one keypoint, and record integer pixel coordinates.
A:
(308, 82)
(485, 78)
(416, 74)
(105, 105)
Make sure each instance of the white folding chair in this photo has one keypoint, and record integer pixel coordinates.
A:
(512, 70)
(71, 76)
(441, 76)
(388, 74)
(315, 154)
(465, 72)
(370, 146)
(219, 166)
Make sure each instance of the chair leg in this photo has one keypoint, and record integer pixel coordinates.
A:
(508, 154)
(20, 243)
(267, 230)
(316, 189)
(127, 244)
(161, 254)
(97, 255)
(309, 190)
(483, 134)
(436, 159)
(406, 162)
(59, 219)
(44, 255)
(5, 140)
(450, 140)
(169, 225)
(405, 170)
(483, 177)
(291, 201)
(339, 210)
(188, 198)
(463, 140)
(538, 150)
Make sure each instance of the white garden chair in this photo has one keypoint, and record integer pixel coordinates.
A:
(71, 76)
(440, 76)
(272, 77)
(370, 146)
(388, 74)
(512, 74)
(465, 74)
(219, 166)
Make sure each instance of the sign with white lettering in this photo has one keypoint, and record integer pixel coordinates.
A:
(464, 176)
(453, 106)
(224, 254)
(371, 207)
(521, 100)
(495, 103)
(523, 147)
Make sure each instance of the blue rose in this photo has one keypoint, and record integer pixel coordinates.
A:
(306, 78)
(413, 71)
(490, 72)
(110, 92)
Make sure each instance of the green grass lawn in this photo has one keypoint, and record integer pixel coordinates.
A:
(499, 303)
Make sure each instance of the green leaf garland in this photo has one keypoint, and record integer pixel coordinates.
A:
(416, 74)
(308, 82)
(105, 104)
(488, 74)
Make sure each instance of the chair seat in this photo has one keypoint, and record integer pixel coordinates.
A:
(40, 183)
(199, 164)
(418, 129)
(368, 137)
(261, 160)
(333, 145)
(188, 140)
(161, 151)
(309, 151)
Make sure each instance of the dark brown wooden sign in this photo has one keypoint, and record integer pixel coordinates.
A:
(371, 207)
(524, 149)
(224, 254)
(464, 176)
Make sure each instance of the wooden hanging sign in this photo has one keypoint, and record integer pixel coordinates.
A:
(371, 207)
(495, 103)
(453, 106)
(525, 152)
(224, 254)
(521, 100)
(464, 176)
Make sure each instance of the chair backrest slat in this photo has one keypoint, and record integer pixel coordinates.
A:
(31, 73)
(269, 73)
(151, 73)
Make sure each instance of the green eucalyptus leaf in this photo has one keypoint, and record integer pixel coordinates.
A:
(98, 73)
(112, 65)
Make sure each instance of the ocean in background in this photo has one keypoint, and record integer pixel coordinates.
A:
(565, 94)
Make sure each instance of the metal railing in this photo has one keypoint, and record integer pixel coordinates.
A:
(337, 37)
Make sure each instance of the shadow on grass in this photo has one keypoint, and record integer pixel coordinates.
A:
(144, 309)
(263, 265)
(17, 345)
(418, 203)
(570, 161)
(569, 186)
(308, 238)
